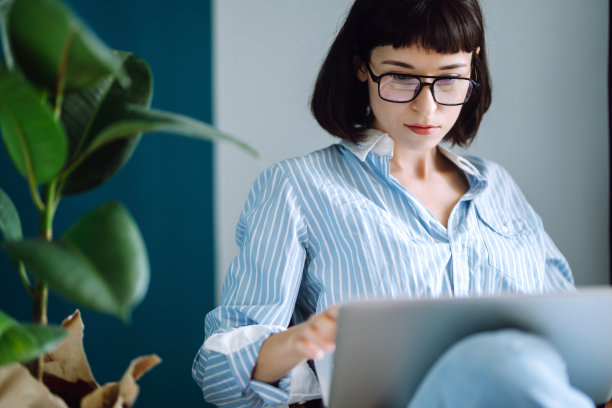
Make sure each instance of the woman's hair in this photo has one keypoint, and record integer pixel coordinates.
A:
(340, 101)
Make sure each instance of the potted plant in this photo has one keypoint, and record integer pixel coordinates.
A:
(72, 112)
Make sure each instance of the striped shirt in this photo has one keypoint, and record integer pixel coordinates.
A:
(335, 226)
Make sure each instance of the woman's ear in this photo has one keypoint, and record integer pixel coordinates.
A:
(360, 69)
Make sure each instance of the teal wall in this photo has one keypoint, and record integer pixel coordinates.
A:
(167, 186)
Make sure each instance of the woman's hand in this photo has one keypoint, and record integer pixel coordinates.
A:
(316, 336)
(309, 340)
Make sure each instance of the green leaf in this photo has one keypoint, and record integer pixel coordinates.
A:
(67, 271)
(96, 108)
(111, 240)
(35, 141)
(139, 119)
(78, 108)
(100, 262)
(40, 30)
(10, 224)
(87, 111)
(24, 342)
(100, 166)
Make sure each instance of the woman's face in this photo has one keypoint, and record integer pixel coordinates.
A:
(421, 124)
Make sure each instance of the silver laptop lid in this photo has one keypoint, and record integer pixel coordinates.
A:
(385, 348)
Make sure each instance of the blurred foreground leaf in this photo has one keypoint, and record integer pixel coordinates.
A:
(100, 262)
(24, 342)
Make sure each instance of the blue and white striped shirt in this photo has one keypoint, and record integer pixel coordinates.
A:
(335, 226)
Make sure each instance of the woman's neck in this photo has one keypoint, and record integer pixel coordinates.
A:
(417, 165)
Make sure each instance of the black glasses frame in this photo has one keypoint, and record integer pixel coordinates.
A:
(377, 79)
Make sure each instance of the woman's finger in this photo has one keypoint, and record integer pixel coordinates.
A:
(325, 327)
(332, 312)
(308, 349)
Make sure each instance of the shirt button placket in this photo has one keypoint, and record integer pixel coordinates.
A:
(460, 267)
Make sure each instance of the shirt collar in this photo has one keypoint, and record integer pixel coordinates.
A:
(460, 161)
(373, 141)
(380, 143)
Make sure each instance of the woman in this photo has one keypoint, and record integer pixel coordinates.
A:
(387, 212)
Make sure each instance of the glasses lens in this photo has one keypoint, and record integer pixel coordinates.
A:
(452, 91)
(398, 88)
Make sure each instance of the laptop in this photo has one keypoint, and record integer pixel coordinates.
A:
(384, 348)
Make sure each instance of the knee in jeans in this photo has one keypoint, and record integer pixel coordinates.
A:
(506, 368)
(507, 355)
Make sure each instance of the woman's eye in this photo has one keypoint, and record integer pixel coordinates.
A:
(445, 84)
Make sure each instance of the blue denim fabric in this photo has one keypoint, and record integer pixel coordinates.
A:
(507, 368)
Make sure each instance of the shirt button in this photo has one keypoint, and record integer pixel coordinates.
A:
(505, 229)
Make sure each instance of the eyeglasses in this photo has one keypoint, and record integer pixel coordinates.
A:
(402, 88)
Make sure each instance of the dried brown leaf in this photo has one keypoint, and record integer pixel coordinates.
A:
(122, 394)
(19, 389)
(68, 381)
(69, 361)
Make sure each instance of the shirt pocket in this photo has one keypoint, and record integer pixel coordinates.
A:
(514, 255)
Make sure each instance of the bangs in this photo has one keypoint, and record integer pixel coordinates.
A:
(444, 26)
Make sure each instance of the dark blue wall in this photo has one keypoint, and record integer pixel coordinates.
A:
(167, 186)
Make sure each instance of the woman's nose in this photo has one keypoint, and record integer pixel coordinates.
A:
(424, 103)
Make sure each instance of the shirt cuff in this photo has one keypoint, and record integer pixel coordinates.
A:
(242, 362)
(270, 394)
(241, 348)
(299, 385)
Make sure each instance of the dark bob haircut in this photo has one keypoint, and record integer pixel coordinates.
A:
(340, 102)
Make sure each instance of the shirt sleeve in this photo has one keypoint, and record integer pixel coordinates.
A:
(258, 299)
(558, 273)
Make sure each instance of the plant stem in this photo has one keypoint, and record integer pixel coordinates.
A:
(47, 208)
(46, 215)
(41, 290)
(40, 295)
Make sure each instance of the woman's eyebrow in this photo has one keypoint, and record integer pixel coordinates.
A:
(408, 66)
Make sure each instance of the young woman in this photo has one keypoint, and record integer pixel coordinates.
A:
(387, 212)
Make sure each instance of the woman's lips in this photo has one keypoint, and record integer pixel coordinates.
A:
(423, 129)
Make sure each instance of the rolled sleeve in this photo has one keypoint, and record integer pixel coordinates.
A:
(259, 297)
(224, 365)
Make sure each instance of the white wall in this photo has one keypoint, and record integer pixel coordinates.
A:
(547, 124)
